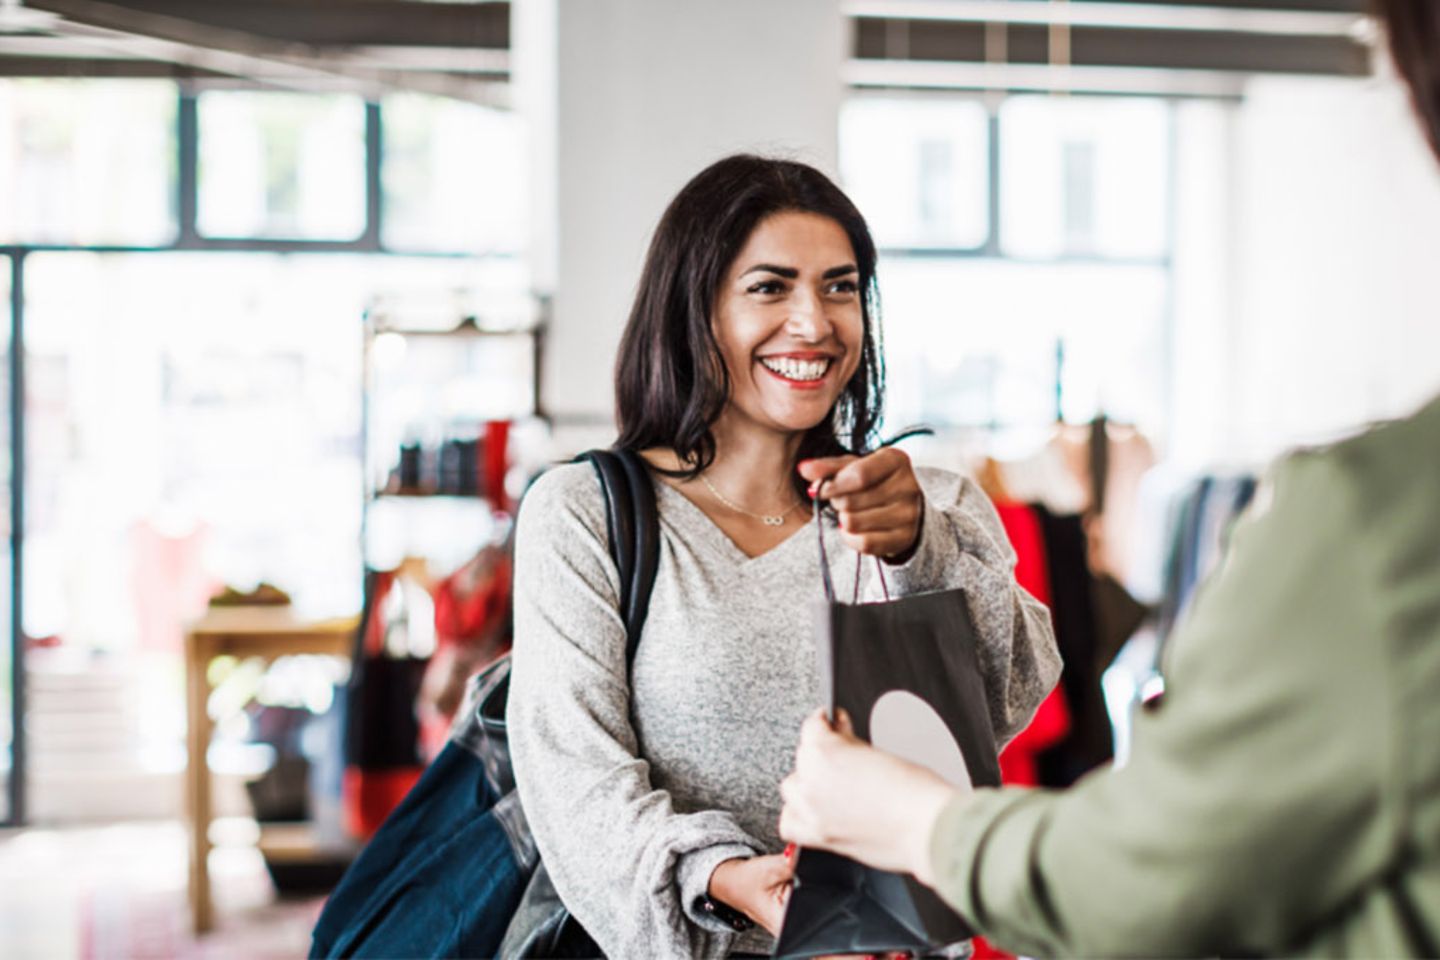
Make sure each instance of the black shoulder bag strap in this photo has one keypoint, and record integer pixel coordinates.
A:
(542, 926)
(633, 529)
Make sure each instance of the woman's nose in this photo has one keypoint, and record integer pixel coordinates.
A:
(807, 318)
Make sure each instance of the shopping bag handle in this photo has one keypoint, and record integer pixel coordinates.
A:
(919, 430)
(825, 557)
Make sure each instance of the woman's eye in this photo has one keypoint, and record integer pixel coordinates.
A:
(767, 287)
(844, 287)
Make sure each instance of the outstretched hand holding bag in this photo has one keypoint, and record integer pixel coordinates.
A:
(454, 872)
(907, 672)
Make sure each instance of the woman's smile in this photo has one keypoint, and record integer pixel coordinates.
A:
(789, 322)
(799, 371)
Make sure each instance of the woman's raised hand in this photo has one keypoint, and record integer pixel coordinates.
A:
(876, 498)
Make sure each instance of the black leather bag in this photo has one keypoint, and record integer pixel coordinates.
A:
(906, 665)
(542, 926)
(461, 830)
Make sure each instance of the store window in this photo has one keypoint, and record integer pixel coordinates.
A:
(1058, 309)
(1009, 344)
(1084, 176)
(193, 422)
(455, 176)
(281, 165)
(87, 162)
(917, 169)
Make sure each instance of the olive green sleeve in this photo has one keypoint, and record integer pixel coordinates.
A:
(1250, 805)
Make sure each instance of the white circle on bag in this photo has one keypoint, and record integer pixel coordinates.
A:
(906, 726)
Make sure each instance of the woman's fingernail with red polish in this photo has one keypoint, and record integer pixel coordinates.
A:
(789, 850)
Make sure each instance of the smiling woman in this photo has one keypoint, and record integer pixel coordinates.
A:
(749, 248)
(749, 379)
(801, 324)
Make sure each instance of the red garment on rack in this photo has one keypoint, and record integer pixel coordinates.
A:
(474, 599)
(1052, 719)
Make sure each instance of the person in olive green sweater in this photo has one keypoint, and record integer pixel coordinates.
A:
(1284, 798)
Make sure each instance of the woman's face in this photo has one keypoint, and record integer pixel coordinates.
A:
(788, 322)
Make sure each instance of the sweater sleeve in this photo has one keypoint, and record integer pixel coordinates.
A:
(962, 544)
(625, 861)
(1250, 808)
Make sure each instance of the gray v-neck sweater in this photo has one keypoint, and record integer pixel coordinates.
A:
(634, 798)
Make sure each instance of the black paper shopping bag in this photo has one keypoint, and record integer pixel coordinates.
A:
(908, 673)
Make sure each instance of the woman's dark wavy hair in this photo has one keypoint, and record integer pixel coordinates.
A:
(670, 381)
(1414, 30)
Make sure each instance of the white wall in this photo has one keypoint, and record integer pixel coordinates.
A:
(644, 94)
(1203, 293)
(1308, 231)
(1337, 233)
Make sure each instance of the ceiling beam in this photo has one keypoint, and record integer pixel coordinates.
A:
(113, 30)
(1323, 6)
(1120, 15)
(330, 23)
(948, 41)
(889, 76)
(102, 68)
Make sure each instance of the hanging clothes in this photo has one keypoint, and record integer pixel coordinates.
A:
(1093, 469)
(1051, 723)
(1198, 538)
(382, 736)
(472, 628)
(1088, 743)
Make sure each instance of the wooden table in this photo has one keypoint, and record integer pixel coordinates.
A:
(267, 632)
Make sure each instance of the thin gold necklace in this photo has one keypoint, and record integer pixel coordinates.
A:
(769, 519)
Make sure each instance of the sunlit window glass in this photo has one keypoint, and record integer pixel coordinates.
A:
(281, 165)
(917, 169)
(87, 162)
(455, 176)
(988, 342)
(194, 422)
(1083, 176)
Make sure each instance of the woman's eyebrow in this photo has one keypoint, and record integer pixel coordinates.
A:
(789, 273)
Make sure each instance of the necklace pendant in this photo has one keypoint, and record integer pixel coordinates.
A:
(772, 521)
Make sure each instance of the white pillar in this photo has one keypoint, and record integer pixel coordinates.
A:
(626, 101)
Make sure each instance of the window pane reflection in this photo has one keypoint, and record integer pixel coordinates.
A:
(281, 165)
(975, 342)
(1084, 176)
(87, 162)
(456, 177)
(917, 169)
